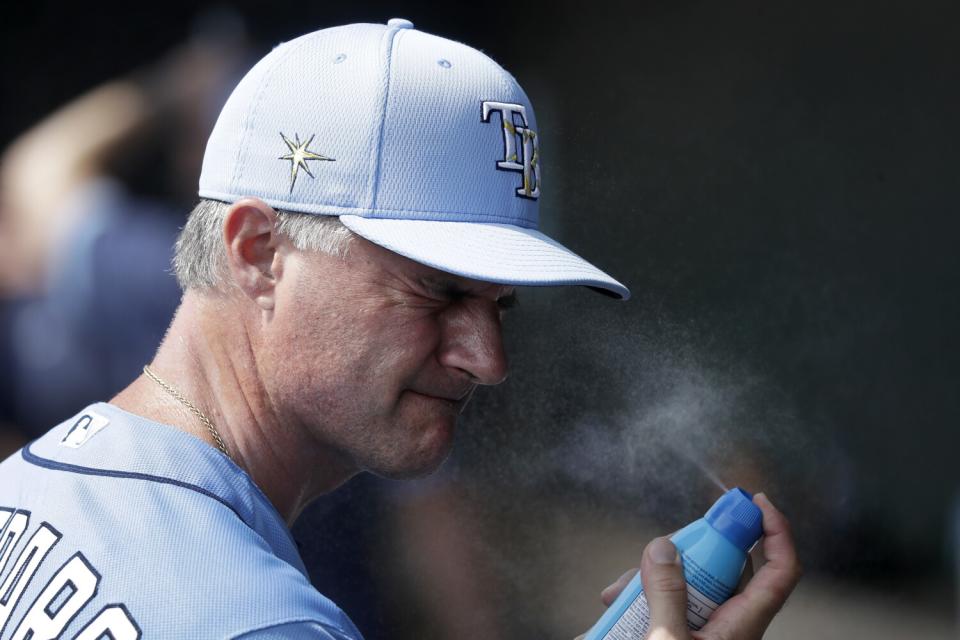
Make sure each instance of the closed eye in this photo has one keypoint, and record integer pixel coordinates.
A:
(452, 292)
(441, 290)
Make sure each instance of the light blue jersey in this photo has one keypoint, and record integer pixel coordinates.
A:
(116, 527)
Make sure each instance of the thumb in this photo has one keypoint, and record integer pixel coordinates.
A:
(665, 590)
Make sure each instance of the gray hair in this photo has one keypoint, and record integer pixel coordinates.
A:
(199, 259)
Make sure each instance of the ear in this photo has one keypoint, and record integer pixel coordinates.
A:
(252, 242)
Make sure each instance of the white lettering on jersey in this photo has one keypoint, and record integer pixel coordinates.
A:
(529, 161)
(70, 589)
(23, 570)
(113, 622)
(41, 623)
(83, 429)
(13, 528)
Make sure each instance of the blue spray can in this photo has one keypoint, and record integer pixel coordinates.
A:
(713, 550)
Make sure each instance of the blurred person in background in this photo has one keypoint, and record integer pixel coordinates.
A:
(90, 202)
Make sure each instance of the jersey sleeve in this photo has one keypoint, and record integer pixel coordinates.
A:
(302, 630)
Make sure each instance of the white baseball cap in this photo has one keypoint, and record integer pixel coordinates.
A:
(421, 145)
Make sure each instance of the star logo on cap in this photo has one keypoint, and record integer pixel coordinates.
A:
(298, 156)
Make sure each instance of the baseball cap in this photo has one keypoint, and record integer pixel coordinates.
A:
(419, 144)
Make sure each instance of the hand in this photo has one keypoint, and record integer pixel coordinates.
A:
(746, 615)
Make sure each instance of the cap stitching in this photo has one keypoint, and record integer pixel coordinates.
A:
(268, 78)
(393, 34)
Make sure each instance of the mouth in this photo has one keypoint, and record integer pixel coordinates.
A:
(456, 401)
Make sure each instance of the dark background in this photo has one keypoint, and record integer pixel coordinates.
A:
(776, 182)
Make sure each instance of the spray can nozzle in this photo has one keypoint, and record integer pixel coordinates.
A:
(736, 518)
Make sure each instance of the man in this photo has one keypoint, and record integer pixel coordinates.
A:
(369, 206)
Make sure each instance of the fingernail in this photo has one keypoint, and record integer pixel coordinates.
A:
(662, 551)
(762, 497)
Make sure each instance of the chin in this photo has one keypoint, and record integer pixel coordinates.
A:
(434, 445)
(411, 471)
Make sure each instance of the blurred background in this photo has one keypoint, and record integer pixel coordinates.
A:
(776, 182)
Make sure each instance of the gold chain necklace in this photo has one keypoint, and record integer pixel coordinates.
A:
(193, 409)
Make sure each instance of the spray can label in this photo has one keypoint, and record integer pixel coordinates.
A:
(634, 623)
(704, 594)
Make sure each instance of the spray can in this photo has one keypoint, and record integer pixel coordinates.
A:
(713, 550)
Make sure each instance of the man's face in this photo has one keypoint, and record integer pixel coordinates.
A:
(376, 355)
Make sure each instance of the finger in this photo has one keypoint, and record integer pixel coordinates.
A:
(746, 575)
(748, 614)
(610, 594)
(775, 580)
(665, 589)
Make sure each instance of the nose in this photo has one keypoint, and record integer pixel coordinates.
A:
(472, 341)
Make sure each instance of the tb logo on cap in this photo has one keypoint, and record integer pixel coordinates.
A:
(513, 133)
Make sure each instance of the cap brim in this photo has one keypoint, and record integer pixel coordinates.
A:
(499, 253)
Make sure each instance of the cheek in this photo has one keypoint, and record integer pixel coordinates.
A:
(410, 347)
(310, 352)
(385, 356)
(356, 357)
